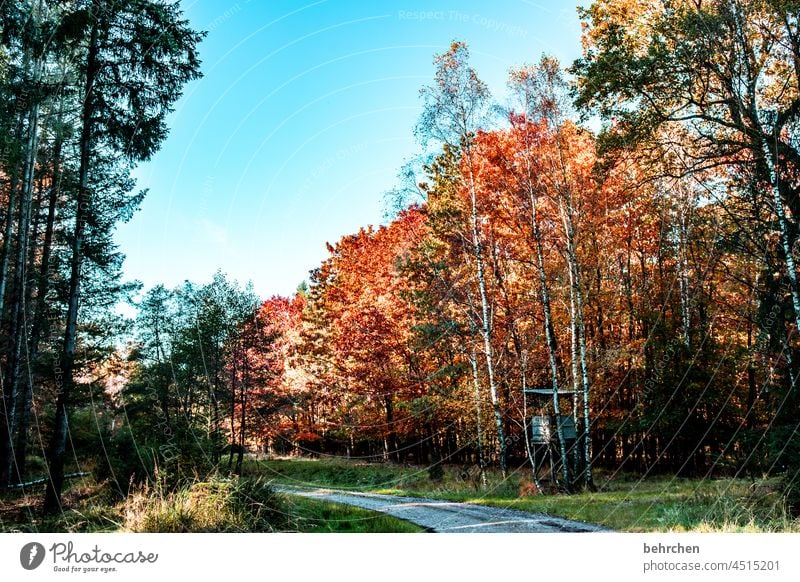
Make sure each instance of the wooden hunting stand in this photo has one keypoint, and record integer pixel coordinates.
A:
(544, 432)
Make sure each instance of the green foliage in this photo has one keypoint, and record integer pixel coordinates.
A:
(314, 516)
(217, 504)
(141, 70)
(784, 454)
(139, 452)
(733, 509)
(146, 442)
(335, 473)
(436, 471)
(129, 462)
(178, 383)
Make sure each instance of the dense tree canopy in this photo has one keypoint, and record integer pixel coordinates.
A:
(632, 293)
(87, 86)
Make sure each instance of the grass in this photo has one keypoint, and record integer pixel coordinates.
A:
(622, 502)
(339, 473)
(314, 516)
(656, 505)
(218, 504)
(88, 508)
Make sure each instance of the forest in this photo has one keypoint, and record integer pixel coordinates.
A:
(608, 259)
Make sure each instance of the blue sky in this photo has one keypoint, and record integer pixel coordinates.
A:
(301, 122)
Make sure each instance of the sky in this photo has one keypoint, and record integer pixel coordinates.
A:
(301, 122)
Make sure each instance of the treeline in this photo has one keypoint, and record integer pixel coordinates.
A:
(85, 87)
(199, 383)
(648, 271)
(640, 281)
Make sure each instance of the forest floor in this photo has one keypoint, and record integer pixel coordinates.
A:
(621, 502)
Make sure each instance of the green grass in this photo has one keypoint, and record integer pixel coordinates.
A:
(314, 516)
(88, 508)
(622, 503)
(339, 473)
(654, 505)
(218, 504)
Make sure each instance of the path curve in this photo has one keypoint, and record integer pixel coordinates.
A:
(437, 515)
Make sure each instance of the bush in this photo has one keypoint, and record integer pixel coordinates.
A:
(137, 453)
(436, 473)
(264, 506)
(785, 447)
(216, 505)
(129, 462)
(435, 469)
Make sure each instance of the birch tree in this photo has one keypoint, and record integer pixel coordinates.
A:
(726, 71)
(543, 92)
(455, 108)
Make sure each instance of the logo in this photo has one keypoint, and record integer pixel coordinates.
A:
(31, 555)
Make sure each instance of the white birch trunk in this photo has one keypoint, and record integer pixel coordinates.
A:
(473, 360)
(784, 228)
(486, 329)
(567, 212)
(525, 427)
(550, 338)
(683, 277)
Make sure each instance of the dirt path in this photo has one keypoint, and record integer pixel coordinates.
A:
(437, 515)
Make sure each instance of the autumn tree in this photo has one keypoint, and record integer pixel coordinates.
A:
(455, 107)
(717, 82)
(357, 294)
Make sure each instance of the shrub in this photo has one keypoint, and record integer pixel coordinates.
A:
(216, 505)
(785, 447)
(435, 469)
(135, 454)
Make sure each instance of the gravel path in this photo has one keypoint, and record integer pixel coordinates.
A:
(437, 515)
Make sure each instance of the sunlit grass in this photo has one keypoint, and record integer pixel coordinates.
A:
(217, 504)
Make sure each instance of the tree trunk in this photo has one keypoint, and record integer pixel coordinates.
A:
(164, 379)
(576, 297)
(786, 242)
(576, 388)
(25, 376)
(6, 398)
(528, 448)
(486, 326)
(391, 433)
(683, 279)
(18, 330)
(243, 387)
(64, 374)
(473, 360)
(550, 339)
(8, 232)
(233, 439)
